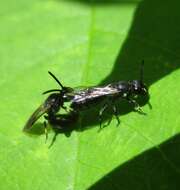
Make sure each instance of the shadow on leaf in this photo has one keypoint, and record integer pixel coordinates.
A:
(157, 169)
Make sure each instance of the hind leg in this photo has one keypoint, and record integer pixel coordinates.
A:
(101, 113)
(115, 112)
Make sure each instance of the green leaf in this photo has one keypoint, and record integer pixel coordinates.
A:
(88, 43)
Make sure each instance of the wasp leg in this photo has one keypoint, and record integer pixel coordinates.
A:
(100, 114)
(116, 114)
(108, 123)
(136, 106)
(150, 106)
(65, 108)
(45, 131)
(53, 140)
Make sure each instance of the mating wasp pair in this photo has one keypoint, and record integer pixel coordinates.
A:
(85, 98)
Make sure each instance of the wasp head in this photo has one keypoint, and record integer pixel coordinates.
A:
(139, 88)
(53, 103)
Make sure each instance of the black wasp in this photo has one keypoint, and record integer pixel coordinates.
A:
(85, 98)
(51, 107)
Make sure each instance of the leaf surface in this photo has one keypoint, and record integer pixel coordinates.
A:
(88, 43)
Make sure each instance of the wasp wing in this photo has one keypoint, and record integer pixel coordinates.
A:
(94, 92)
(42, 109)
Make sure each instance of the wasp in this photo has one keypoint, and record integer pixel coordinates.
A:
(129, 90)
(83, 99)
(51, 107)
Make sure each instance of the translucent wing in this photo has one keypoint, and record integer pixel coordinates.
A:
(42, 109)
(94, 92)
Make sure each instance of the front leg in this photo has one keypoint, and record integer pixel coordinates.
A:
(136, 105)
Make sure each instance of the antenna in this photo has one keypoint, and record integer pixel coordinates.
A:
(56, 80)
(141, 70)
(53, 90)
